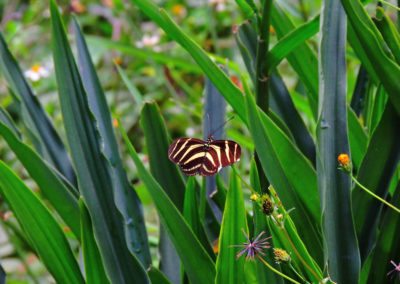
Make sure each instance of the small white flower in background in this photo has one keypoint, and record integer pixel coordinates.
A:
(220, 5)
(148, 41)
(36, 72)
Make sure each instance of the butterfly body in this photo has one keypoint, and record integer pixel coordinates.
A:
(206, 158)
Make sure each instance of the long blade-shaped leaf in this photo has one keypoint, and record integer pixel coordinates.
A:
(192, 215)
(157, 141)
(49, 182)
(280, 100)
(291, 41)
(7, 120)
(387, 70)
(282, 104)
(303, 60)
(387, 246)
(342, 254)
(94, 269)
(93, 169)
(50, 141)
(40, 227)
(376, 171)
(126, 199)
(197, 263)
(167, 175)
(230, 269)
(283, 164)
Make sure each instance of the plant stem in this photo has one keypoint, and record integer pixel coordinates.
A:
(244, 182)
(298, 254)
(262, 82)
(295, 271)
(276, 271)
(374, 195)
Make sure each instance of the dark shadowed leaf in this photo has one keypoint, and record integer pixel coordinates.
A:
(126, 199)
(197, 263)
(36, 118)
(332, 139)
(93, 169)
(375, 173)
(94, 270)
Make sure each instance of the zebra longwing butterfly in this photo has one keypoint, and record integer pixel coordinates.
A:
(206, 158)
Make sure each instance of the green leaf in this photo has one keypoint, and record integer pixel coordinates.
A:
(247, 7)
(361, 54)
(93, 169)
(283, 164)
(280, 100)
(375, 173)
(357, 138)
(303, 59)
(51, 185)
(387, 70)
(260, 224)
(197, 263)
(157, 141)
(282, 104)
(157, 277)
(230, 269)
(94, 269)
(389, 32)
(286, 235)
(192, 216)
(125, 198)
(290, 41)
(167, 175)
(386, 247)
(40, 227)
(7, 121)
(38, 122)
(341, 255)
(131, 87)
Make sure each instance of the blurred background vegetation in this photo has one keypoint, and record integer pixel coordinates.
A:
(130, 51)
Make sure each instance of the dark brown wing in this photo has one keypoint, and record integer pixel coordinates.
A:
(227, 151)
(193, 157)
(183, 148)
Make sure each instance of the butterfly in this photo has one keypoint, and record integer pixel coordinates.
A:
(206, 158)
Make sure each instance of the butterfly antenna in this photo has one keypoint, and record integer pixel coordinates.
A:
(220, 126)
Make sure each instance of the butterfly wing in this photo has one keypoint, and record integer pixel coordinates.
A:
(227, 151)
(193, 157)
(183, 148)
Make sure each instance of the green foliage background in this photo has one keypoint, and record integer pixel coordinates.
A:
(84, 167)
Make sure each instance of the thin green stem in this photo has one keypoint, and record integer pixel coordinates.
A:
(298, 254)
(276, 271)
(295, 272)
(389, 4)
(244, 182)
(374, 195)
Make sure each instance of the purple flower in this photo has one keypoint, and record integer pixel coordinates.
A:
(396, 269)
(252, 248)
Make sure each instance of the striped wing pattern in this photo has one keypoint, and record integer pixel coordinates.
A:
(206, 158)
